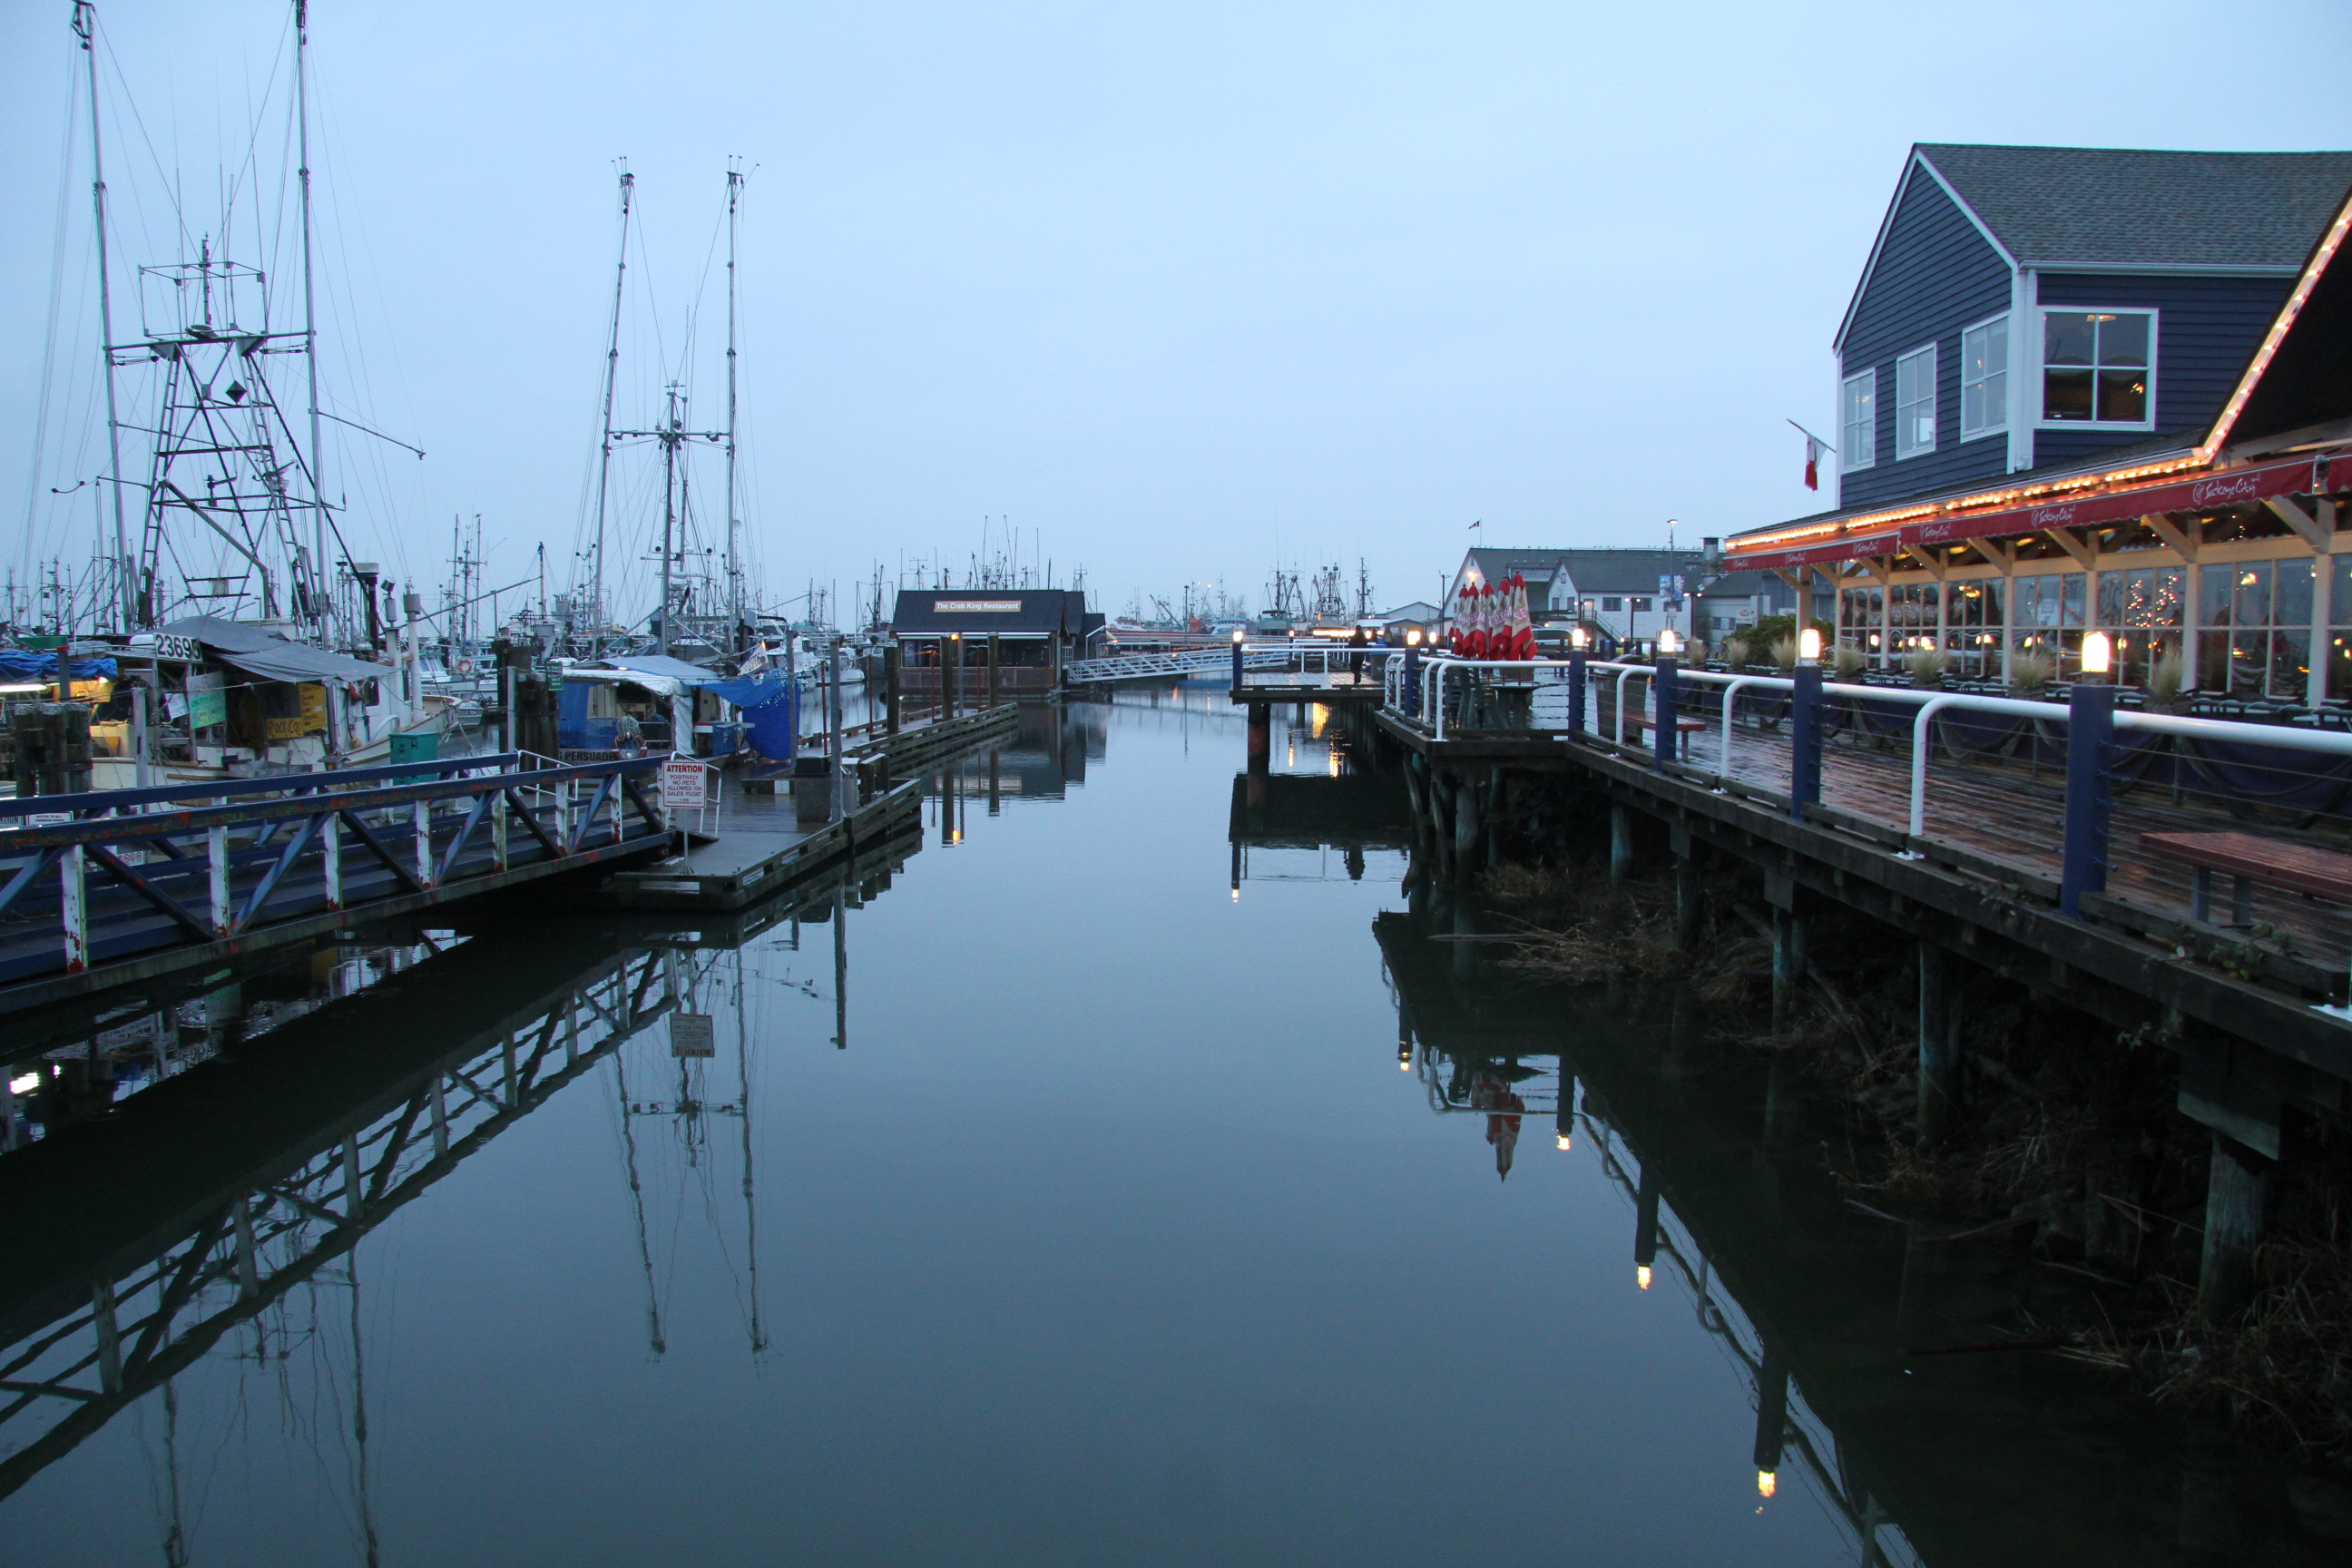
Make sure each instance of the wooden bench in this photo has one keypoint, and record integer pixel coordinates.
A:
(1684, 728)
(2323, 873)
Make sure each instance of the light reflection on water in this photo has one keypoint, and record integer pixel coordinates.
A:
(1051, 1199)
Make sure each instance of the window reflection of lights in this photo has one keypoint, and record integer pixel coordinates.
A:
(25, 1085)
(1641, 1275)
(1565, 1142)
(1766, 1483)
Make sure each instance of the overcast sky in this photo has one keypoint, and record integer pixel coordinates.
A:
(1181, 291)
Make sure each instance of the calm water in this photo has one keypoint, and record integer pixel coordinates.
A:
(1056, 1198)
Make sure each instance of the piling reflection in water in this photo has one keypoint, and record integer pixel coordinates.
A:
(1858, 1360)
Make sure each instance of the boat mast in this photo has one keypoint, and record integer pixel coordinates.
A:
(734, 551)
(671, 426)
(310, 319)
(85, 27)
(612, 371)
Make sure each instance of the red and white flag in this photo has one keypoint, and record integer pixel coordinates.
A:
(1812, 464)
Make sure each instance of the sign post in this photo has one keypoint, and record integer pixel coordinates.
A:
(681, 792)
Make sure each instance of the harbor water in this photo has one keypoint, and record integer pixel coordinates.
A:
(1106, 1182)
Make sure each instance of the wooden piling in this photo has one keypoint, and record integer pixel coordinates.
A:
(994, 688)
(1940, 1045)
(1787, 964)
(1621, 843)
(2237, 1193)
(890, 710)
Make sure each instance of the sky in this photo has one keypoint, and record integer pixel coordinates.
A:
(1167, 294)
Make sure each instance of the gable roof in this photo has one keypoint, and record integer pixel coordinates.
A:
(925, 612)
(2131, 207)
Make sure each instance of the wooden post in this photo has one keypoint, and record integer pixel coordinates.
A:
(217, 856)
(331, 858)
(1687, 908)
(1940, 1045)
(2237, 1193)
(1621, 843)
(993, 687)
(73, 890)
(424, 810)
(891, 657)
(2089, 728)
(1467, 825)
(951, 674)
(1787, 964)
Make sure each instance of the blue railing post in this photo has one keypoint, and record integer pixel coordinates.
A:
(1412, 682)
(1663, 734)
(1237, 666)
(2090, 726)
(1804, 741)
(1576, 673)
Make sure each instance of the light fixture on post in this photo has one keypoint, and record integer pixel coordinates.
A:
(1576, 638)
(2098, 655)
(1809, 646)
(1412, 637)
(1670, 643)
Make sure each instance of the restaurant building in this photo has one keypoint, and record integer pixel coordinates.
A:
(2083, 389)
(1032, 631)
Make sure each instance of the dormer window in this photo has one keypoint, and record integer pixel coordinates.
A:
(1915, 403)
(2096, 366)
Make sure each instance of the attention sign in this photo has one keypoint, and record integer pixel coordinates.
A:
(977, 606)
(681, 787)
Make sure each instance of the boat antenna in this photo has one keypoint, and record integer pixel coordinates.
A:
(85, 27)
(611, 370)
(310, 313)
(734, 555)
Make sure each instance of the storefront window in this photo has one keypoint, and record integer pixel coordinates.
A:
(2340, 643)
(2142, 610)
(1974, 624)
(1859, 613)
(2255, 640)
(2046, 616)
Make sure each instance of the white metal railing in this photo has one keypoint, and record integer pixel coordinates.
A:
(1928, 703)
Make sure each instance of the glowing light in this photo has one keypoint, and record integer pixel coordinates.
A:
(1668, 643)
(2098, 654)
(1809, 646)
(25, 1085)
(1412, 637)
(1564, 1142)
(1766, 1483)
(1641, 1275)
(1237, 895)
(1576, 638)
(1237, 637)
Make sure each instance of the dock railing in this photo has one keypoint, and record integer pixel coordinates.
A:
(93, 879)
(1798, 719)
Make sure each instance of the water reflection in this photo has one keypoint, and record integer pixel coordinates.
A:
(218, 1217)
(1871, 1359)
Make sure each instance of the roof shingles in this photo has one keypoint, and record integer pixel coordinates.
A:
(2090, 205)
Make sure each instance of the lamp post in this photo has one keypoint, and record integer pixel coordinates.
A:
(1804, 727)
(2090, 726)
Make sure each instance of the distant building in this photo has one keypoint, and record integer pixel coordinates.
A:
(2089, 389)
(1420, 615)
(1037, 630)
(1634, 595)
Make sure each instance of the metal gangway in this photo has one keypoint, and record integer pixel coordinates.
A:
(1321, 657)
(116, 886)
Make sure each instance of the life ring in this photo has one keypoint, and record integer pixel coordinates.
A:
(463, 667)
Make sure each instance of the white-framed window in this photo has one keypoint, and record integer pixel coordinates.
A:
(1984, 378)
(1915, 403)
(1858, 421)
(2098, 367)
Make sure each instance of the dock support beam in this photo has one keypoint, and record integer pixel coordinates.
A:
(1687, 907)
(1467, 825)
(890, 687)
(1787, 964)
(1621, 843)
(993, 687)
(2237, 1193)
(1940, 1045)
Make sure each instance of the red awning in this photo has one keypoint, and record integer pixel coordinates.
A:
(2320, 475)
(2234, 486)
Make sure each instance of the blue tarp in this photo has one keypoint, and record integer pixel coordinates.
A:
(22, 663)
(771, 707)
